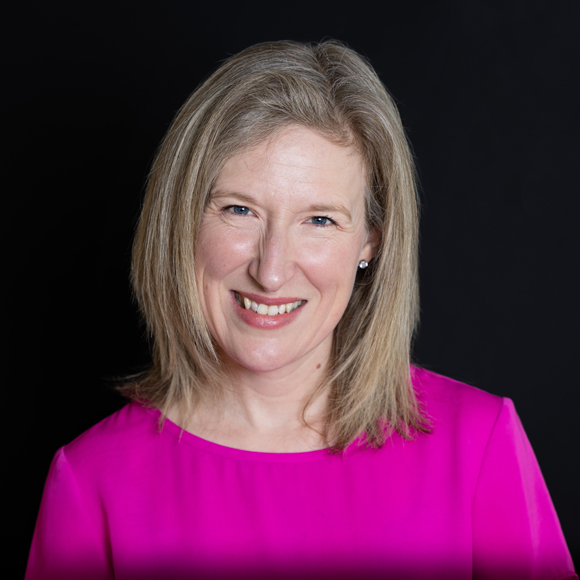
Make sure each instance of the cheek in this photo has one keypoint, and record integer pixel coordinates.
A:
(218, 253)
(332, 270)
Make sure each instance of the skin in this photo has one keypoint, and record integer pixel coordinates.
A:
(285, 219)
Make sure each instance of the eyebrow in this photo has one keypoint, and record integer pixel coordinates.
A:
(216, 194)
(322, 208)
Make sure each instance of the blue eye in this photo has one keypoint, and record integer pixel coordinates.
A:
(239, 209)
(321, 221)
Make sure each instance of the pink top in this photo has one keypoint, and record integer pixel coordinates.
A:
(127, 501)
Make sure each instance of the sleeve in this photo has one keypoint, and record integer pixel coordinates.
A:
(70, 539)
(516, 532)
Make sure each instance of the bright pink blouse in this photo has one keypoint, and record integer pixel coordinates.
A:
(127, 501)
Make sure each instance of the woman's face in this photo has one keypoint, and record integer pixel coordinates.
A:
(283, 233)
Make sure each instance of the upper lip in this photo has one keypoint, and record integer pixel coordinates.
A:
(268, 301)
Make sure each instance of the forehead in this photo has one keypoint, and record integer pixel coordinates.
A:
(295, 164)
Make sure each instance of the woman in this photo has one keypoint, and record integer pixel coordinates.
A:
(281, 431)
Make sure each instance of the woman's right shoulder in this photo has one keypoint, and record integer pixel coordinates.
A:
(130, 431)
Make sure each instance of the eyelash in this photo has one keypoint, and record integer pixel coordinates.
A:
(324, 217)
(230, 209)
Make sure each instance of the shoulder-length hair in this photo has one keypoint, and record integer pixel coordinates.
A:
(330, 89)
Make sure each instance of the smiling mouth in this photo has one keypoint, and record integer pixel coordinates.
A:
(265, 309)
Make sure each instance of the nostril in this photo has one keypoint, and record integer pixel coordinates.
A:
(272, 269)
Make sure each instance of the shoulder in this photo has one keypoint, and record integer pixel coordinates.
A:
(115, 440)
(470, 428)
(447, 401)
(462, 416)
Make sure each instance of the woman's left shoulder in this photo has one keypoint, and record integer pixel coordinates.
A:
(451, 405)
(478, 438)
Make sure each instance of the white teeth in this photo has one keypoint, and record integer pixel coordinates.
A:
(264, 308)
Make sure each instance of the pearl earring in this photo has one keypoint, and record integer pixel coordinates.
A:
(363, 264)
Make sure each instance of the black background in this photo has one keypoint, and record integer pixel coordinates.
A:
(488, 93)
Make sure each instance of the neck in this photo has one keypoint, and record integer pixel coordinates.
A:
(264, 411)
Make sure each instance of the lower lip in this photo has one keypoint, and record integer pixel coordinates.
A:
(263, 321)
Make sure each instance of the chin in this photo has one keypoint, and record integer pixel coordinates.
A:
(260, 362)
(262, 366)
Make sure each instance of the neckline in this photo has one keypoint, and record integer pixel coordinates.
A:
(183, 436)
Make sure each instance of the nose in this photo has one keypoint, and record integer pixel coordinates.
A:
(273, 265)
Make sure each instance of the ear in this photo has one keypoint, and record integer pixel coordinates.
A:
(371, 244)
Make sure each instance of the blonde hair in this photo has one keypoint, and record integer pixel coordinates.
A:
(328, 88)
